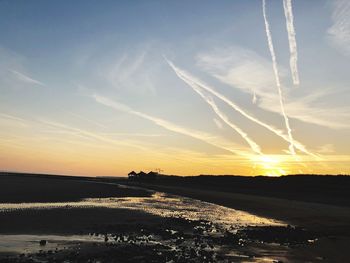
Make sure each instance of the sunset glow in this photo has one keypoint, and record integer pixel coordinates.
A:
(242, 87)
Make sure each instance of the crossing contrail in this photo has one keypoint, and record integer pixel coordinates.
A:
(202, 136)
(187, 78)
(288, 13)
(278, 83)
(253, 145)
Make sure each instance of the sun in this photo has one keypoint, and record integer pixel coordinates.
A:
(270, 166)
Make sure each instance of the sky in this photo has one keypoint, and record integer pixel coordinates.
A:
(189, 87)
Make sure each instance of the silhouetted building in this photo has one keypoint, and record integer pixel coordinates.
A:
(152, 175)
(142, 176)
(132, 175)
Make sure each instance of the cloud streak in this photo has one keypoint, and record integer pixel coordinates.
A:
(339, 32)
(131, 73)
(253, 145)
(254, 99)
(90, 135)
(293, 61)
(206, 87)
(10, 120)
(24, 78)
(278, 83)
(246, 71)
(202, 136)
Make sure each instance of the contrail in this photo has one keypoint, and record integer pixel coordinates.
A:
(288, 13)
(26, 78)
(253, 145)
(187, 78)
(254, 98)
(205, 137)
(87, 134)
(278, 83)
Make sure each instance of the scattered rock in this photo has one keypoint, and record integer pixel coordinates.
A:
(43, 242)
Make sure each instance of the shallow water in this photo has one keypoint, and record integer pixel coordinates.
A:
(31, 243)
(159, 204)
(164, 205)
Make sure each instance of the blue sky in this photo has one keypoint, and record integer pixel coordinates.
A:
(86, 87)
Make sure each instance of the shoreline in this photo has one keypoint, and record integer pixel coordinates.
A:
(329, 219)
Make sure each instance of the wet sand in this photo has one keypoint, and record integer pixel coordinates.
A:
(117, 235)
(68, 221)
(19, 188)
(318, 217)
(331, 224)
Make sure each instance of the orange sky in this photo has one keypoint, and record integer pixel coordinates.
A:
(138, 85)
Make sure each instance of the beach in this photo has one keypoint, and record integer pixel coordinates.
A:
(144, 222)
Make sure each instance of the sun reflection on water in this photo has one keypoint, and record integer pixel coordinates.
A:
(160, 204)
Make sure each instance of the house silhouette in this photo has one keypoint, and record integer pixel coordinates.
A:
(142, 176)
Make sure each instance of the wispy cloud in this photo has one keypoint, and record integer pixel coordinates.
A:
(307, 111)
(326, 148)
(240, 110)
(88, 134)
(125, 67)
(14, 73)
(288, 12)
(339, 32)
(246, 71)
(241, 68)
(254, 146)
(133, 134)
(202, 136)
(88, 120)
(130, 72)
(10, 120)
(254, 100)
(218, 123)
(51, 133)
(26, 79)
(277, 78)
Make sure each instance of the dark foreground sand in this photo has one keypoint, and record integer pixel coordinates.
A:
(19, 188)
(331, 224)
(132, 236)
(329, 219)
(68, 221)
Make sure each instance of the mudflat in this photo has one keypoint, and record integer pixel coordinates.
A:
(329, 222)
(68, 221)
(51, 219)
(27, 188)
(329, 219)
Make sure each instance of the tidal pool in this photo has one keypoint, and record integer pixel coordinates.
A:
(31, 243)
(159, 204)
(163, 205)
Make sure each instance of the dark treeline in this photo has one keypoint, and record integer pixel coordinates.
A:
(328, 189)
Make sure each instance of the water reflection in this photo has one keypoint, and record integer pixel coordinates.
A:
(31, 243)
(161, 204)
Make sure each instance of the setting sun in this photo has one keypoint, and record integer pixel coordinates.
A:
(269, 165)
